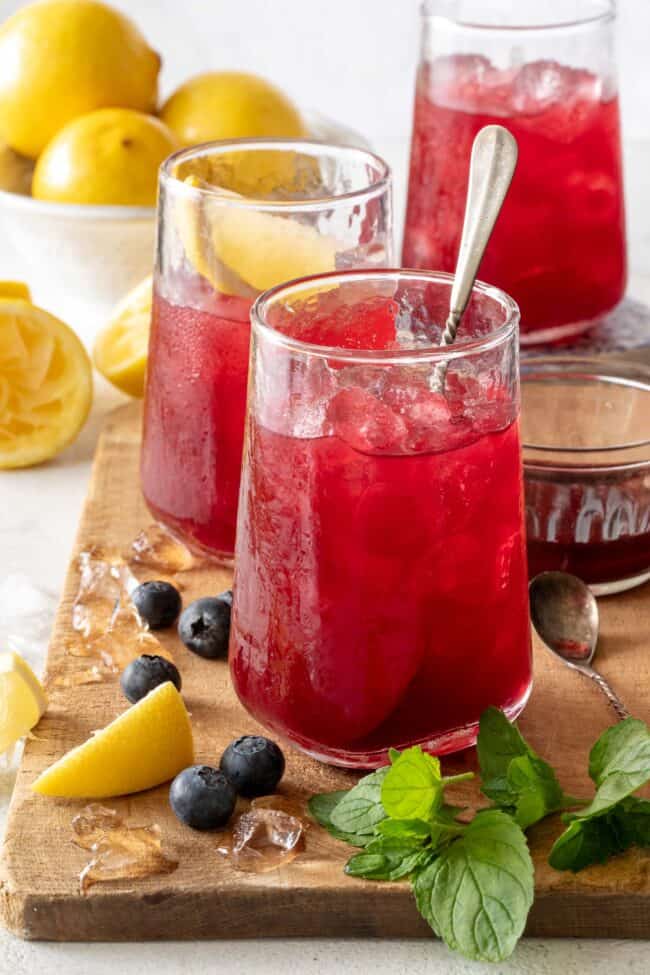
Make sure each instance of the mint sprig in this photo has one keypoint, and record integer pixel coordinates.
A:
(473, 881)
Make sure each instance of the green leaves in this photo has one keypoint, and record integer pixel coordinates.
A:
(360, 809)
(619, 764)
(614, 820)
(513, 776)
(477, 893)
(473, 882)
(413, 786)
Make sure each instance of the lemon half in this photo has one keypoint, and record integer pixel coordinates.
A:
(120, 352)
(45, 384)
(22, 699)
(146, 746)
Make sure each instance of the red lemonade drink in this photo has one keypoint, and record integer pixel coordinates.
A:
(559, 245)
(381, 579)
(315, 207)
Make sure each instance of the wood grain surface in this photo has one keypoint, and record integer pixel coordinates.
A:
(206, 897)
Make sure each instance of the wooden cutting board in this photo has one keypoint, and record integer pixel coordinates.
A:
(206, 897)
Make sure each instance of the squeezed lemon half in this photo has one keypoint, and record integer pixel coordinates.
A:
(144, 747)
(22, 699)
(45, 381)
(120, 352)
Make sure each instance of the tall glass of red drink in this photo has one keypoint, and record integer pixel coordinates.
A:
(380, 581)
(234, 219)
(547, 72)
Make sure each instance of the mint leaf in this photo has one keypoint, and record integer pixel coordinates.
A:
(443, 827)
(477, 893)
(513, 775)
(387, 858)
(413, 786)
(619, 764)
(414, 831)
(360, 809)
(321, 807)
(596, 839)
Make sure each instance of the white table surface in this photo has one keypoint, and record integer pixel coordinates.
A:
(39, 511)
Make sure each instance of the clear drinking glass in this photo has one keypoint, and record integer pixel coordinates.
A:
(586, 433)
(234, 219)
(380, 573)
(548, 73)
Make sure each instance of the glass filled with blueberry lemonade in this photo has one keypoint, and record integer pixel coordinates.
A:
(547, 72)
(235, 218)
(380, 581)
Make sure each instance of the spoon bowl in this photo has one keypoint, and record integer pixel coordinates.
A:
(564, 613)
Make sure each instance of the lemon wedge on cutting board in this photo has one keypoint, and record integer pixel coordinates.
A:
(45, 381)
(241, 250)
(22, 699)
(120, 352)
(144, 747)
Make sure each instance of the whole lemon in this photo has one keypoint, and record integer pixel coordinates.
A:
(230, 105)
(107, 157)
(63, 58)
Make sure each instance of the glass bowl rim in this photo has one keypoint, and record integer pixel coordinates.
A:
(624, 372)
(609, 13)
(380, 185)
(430, 353)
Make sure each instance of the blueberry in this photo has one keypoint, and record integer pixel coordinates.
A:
(146, 672)
(202, 797)
(254, 765)
(158, 603)
(204, 627)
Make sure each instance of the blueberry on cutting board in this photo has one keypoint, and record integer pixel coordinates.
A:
(254, 765)
(202, 797)
(204, 627)
(158, 603)
(146, 672)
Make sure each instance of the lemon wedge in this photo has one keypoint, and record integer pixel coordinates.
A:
(22, 699)
(45, 384)
(120, 352)
(145, 746)
(242, 251)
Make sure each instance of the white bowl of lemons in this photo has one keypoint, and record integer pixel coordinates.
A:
(82, 138)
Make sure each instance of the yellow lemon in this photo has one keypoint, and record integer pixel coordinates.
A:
(22, 699)
(15, 171)
(64, 58)
(147, 745)
(45, 384)
(15, 289)
(120, 352)
(230, 105)
(107, 157)
(243, 251)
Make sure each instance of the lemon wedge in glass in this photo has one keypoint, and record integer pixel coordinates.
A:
(120, 352)
(144, 747)
(22, 699)
(45, 383)
(241, 250)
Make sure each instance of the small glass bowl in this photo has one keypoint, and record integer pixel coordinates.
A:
(586, 446)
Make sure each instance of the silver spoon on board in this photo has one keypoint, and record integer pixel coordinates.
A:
(565, 615)
(492, 166)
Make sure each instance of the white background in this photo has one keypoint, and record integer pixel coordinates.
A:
(353, 60)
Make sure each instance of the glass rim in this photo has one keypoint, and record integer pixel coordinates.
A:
(608, 13)
(430, 353)
(314, 147)
(592, 369)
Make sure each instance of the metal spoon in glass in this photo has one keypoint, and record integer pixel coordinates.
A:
(565, 615)
(492, 166)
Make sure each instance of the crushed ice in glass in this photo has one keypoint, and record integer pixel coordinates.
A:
(268, 836)
(119, 851)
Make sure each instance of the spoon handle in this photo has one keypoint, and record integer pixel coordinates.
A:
(613, 698)
(492, 166)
